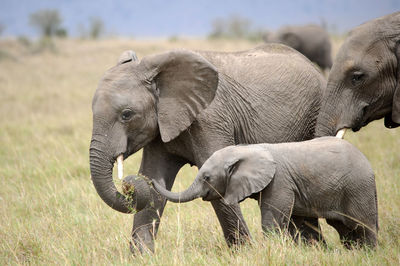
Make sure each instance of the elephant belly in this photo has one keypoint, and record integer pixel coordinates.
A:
(312, 209)
(300, 209)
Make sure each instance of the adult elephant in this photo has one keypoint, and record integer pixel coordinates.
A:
(310, 40)
(363, 84)
(181, 106)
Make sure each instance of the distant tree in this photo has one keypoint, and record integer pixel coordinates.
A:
(2, 27)
(96, 27)
(48, 22)
(218, 28)
(238, 27)
(62, 33)
(233, 26)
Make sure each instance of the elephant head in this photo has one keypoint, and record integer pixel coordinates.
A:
(232, 173)
(136, 102)
(364, 82)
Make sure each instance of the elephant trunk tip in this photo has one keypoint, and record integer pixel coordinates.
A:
(136, 188)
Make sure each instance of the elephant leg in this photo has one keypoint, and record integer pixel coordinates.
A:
(230, 217)
(232, 222)
(307, 228)
(348, 236)
(274, 219)
(353, 234)
(159, 165)
(276, 207)
(363, 235)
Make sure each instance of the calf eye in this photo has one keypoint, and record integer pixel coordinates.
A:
(206, 178)
(357, 77)
(126, 114)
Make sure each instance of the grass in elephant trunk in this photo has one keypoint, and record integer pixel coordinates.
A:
(50, 212)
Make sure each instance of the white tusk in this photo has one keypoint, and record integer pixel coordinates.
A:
(120, 166)
(341, 133)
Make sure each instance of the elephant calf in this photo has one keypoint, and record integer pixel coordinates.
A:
(321, 178)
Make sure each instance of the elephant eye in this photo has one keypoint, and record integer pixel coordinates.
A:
(206, 178)
(357, 77)
(126, 114)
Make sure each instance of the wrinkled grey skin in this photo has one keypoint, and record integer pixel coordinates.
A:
(364, 81)
(181, 106)
(310, 40)
(321, 178)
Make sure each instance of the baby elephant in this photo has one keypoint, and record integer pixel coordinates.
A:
(321, 178)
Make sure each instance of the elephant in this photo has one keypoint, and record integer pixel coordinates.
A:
(180, 106)
(311, 40)
(363, 84)
(325, 177)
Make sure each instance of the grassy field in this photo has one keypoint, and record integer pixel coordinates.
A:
(50, 212)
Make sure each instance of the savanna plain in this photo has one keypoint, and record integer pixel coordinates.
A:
(51, 214)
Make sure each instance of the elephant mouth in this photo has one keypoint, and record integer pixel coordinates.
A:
(358, 127)
(206, 196)
(362, 124)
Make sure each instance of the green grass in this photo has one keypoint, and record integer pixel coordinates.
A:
(50, 212)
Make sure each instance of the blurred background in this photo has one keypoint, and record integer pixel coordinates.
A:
(177, 18)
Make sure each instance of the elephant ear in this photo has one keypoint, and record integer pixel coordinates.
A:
(396, 96)
(393, 120)
(127, 56)
(185, 84)
(396, 106)
(248, 175)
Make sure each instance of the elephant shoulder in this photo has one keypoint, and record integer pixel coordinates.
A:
(274, 48)
(263, 50)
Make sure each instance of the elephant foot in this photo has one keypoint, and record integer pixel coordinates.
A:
(142, 243)
(238, 238)
(144, 230)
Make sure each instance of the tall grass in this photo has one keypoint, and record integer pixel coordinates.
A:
(50, 212)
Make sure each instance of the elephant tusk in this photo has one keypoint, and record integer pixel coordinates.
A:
(120, 166)
(341, 133)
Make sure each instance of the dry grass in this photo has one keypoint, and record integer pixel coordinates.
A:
(51, 214)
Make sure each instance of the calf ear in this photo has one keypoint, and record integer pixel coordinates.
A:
(126, 57)
(185, 84)
(248, 175)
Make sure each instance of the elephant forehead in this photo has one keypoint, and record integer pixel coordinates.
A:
(120, 73)
(121, 98)
(224, 154)
(118, 80)
(348, 64)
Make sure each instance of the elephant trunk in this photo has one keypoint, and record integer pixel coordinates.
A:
(101, 168)
(325, 125)
(328, 117)
(193, 192)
